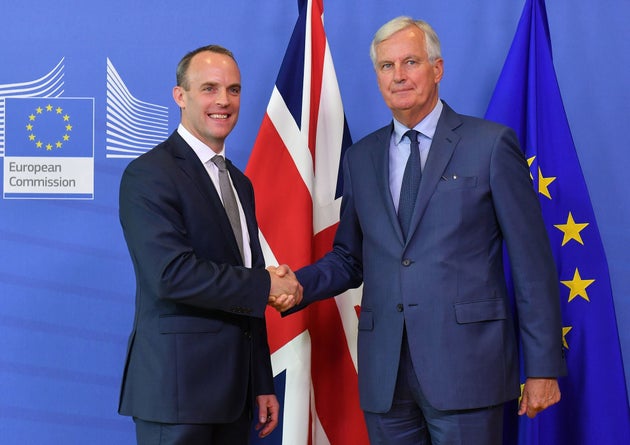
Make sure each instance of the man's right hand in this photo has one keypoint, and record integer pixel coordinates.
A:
(285, 291)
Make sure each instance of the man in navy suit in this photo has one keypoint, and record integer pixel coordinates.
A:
(437, 347)
(198, 360)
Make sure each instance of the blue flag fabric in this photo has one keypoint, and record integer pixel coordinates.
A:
(594, 406)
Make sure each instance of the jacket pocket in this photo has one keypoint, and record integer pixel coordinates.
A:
(181, 324)
(455, 182)
(481, 310)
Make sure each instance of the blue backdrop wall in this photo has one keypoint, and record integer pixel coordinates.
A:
(66, 282)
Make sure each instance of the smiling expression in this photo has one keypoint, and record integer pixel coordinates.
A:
(211, 100)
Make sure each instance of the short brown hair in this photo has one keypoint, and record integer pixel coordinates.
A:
(182, 66)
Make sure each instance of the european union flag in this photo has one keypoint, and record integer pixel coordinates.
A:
(49, 127)
(594, 406)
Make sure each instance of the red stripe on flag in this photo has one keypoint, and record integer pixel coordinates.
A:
(283, 203)
(335, 382)
(318, 49)
(281, 331)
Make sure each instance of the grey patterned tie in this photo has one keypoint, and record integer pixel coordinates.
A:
(229, 201)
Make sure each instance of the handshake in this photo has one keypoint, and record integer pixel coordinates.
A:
(285, 291)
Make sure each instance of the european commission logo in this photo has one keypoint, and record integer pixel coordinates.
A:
(49, 148)
(48, 141)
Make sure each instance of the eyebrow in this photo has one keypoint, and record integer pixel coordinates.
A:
(214, 84)
(404, 58)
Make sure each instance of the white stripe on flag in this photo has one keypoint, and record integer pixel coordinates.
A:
(295, 358)
(294, 140)
(330, 126)
(346, 304)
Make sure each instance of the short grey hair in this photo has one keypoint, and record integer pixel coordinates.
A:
(390, 28)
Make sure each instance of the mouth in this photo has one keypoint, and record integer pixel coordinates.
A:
(218, 116)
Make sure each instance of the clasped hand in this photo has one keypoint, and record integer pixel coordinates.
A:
(285, 291)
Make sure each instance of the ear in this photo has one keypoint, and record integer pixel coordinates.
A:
(178, 96)
(438, 70)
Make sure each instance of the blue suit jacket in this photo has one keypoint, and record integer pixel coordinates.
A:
(446, 283)
(198, 340)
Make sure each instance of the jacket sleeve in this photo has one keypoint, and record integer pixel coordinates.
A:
(533, 268)
(341, 268)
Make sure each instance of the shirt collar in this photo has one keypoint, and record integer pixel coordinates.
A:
(426, 126)
(202, 151)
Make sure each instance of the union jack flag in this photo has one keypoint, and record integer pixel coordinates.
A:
(295, 169)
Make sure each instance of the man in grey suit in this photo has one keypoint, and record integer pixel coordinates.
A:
(424, 232)
(198, 367)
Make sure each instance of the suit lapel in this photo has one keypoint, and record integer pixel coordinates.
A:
(442, 147)
(380, 160)
(190, 164)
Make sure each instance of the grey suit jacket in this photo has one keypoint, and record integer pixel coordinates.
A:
(446, 283)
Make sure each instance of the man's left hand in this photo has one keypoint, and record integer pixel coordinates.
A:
(268, 411)
(538, 394)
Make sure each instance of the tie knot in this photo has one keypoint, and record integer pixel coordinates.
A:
(412, 135)
(219, 161)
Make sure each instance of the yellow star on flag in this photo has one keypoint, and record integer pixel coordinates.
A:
(543, 183)
(565, 331)
(59, 140)
(530, 161)
(577, 286)
(571, 230)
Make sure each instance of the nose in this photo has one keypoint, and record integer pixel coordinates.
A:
(222, 97)
(399, 73)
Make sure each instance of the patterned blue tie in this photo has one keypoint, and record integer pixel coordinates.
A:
(410, 183)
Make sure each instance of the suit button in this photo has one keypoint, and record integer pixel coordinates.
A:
(399, 307)
(406, 262)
